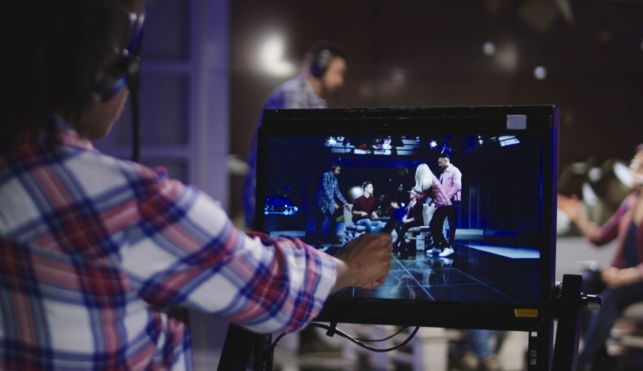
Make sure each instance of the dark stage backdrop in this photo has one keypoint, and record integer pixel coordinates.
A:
(430, 53)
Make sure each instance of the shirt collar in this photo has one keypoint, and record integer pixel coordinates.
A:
(68, 136)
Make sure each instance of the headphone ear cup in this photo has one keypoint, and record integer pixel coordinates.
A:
(320, 63)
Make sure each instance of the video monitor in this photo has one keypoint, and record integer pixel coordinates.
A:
(501, 272)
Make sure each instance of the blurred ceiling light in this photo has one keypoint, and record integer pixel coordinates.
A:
(540, 72)
(398, 77)
(507, 57)
(489, 48)
(271, 56)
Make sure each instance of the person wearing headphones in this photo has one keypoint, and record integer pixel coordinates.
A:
(323, 73)
(101, 257)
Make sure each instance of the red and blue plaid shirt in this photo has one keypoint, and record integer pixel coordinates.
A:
(100, 257)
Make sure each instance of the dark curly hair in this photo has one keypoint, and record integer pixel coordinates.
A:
(52, 53)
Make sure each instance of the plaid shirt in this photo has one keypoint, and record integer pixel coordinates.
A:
(292, 94)
(327, 190)
(100, 258)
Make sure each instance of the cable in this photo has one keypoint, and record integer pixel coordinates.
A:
(359, 342)
(386, 338)
(314, 324)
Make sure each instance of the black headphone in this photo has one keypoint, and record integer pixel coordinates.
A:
(125, 70)
(320, 61)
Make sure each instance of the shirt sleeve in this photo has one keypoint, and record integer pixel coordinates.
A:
(338, 193)
(185, 252)
(609, 231)
(456, 176)
(329, 187)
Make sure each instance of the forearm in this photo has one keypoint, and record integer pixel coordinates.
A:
(344, 276)
(588, 228)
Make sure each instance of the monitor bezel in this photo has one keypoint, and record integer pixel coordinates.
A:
(540, 120)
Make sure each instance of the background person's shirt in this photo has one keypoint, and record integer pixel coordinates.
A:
(363, 204)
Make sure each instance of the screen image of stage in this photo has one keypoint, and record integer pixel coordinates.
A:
(498, 221)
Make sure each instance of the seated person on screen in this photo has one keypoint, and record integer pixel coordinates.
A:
(414, 218)
(101, 257)
(364, 210)
(622, 283)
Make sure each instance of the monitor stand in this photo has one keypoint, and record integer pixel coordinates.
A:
(567, 303)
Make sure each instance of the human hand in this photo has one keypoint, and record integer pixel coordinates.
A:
(570, 206)
(364, 262)
(395, 205)
(363, 213)
(346, 207)
(335, 205)
(374, 215)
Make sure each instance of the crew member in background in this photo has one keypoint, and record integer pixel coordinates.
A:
(323, 73)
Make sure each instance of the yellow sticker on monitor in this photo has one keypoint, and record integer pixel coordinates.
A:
(526, 313)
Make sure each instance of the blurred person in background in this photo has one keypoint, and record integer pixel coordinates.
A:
(102, 257)
(322, 73)
(483, 353)
(621, 284)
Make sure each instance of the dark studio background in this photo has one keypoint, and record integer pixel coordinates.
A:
(430, 53)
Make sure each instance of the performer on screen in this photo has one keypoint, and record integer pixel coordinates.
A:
(364, 210)
(451, 180)
(434, 193)
(327, 207)
(413, 218)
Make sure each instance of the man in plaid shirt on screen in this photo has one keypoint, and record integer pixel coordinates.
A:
(101, 257)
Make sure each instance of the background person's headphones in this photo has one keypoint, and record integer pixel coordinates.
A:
(126, 67)
(320, 62)
(320, 56)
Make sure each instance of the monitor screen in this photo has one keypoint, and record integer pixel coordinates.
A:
(475, 250)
